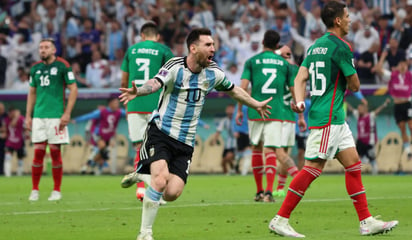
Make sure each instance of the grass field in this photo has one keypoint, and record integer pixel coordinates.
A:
(211, 207)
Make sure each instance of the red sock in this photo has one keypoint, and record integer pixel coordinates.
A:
(257, 166)
(281, 181)
(136, 161)
(356, 191)
(37, 167)
(57, 166)
(270, 170)
(297, 189)
(293, 171)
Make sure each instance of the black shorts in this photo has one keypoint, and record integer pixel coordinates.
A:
(403, 112)
(157, 145)
(243, 141)
(104, 153)
(365, 150)
(21, 152)
(228, 150)
(301, 141)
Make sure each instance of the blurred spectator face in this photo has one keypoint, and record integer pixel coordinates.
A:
(229, 110)
(76, 67)
(393, 44)
(87, 25)
(316, 11)
(374, 48)
(367, 32)
(233, 68)
(119, 54)
(46, 50)
(114, 104)
(403, 66)
(356, 26)
(71, 41)
(362, 109)
(84, 12)
(96, 56)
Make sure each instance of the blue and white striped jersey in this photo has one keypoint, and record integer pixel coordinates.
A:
(183, 95)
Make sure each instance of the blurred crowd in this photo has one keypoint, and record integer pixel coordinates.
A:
(93, 35)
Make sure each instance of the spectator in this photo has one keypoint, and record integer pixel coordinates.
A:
(364, 39)
(392, 54)
(97, 71)
(312, 19)
(86, 39)
(22, 80)
(115, 39)
(365, 63)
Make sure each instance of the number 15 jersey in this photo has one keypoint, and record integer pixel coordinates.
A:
(142, 61)
(329, 61)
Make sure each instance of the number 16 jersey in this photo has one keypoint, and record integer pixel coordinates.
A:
(329, 61)
(142, 61)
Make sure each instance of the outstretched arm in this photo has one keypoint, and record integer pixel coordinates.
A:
(243, 97)
(381, 107)
(149, 87)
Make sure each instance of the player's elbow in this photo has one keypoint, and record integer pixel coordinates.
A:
(354, 87)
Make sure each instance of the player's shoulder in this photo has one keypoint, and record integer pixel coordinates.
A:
(213, 66)
(63, 61)
(174, 62)
(337, 41)
(37, 64)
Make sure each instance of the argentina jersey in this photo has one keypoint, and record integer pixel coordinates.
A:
(183, 95)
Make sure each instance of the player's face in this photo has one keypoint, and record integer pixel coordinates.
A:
(344, 23)
(205, 50)
(114, 105)
(46, 50)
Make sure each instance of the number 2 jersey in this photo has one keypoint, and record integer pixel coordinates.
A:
(142, 61)
(183, 96)
(50, 81)
(329, 61)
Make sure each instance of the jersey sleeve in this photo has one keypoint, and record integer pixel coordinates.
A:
(222, 83)
(125, 64)
(31, 79)
(246, 74)
(355, 114)
(69, 76)
(168, 54)
(292, 72)
(165, 75)
(344, 59)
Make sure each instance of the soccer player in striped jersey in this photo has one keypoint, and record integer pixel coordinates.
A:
(141, 63)
(329, 68)
(169, 139)
(46, 103)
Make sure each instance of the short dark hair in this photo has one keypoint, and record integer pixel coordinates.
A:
(110, 99)
(195, 34)
(50, 40)
(330, 11)
(149, 29)
(271, 39)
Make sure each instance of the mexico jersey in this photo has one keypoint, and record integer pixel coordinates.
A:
(329, 61)
(268, 73)
(183, 96)
(50, 82)
(142, 61)
(289, 114)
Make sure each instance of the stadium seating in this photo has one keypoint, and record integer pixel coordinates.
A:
(121, 153)
(389, 153)
(211, 157)
(196, 166)
(74, 154)
(333, 166)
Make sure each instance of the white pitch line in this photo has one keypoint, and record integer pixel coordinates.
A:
(186, 206)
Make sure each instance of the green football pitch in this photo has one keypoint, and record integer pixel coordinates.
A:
(211, 207)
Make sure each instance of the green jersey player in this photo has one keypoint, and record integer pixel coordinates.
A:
(46, 102)
(269, 75)
(141, 63)
(329, 68)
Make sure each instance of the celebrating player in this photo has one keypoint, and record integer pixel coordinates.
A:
(329, 67)
(46, 102)
(169, 139)
(141, 63)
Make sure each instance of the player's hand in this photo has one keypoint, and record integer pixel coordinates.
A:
(263, 108)
(64, 120)
(28, 123)
(298, 107)
(239, 118)
(128, 94)
(302, 125)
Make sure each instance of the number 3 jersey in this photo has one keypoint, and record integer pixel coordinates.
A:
(50, 81)
(142, 61)
(183, 96)
(329, 61)
(269, 75)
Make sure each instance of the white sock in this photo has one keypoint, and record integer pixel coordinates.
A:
(7, 165)
(150, 208)
(146, 178)
(20, 167)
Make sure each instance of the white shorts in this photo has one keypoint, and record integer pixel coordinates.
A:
(266, 131)
(325, 143)
(288, 134)
(137, 123)
(47, 129)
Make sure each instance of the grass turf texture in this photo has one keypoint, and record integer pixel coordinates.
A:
(211, 207)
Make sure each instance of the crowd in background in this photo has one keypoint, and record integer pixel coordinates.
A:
(93, 35)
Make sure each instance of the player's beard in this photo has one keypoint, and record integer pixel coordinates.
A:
(203, 61)
(45, 58)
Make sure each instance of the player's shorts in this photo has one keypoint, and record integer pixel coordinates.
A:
(403, 112)
(228, 150)
(288, 134)
(301, 141)
(366, 150)
(137, 123)
(326, 142)
(242, 141)
(157, 145)
(21, 152)
(47, 129)
(267, 131)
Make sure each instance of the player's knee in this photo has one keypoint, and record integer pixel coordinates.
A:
(159, 181)
(171, 194)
